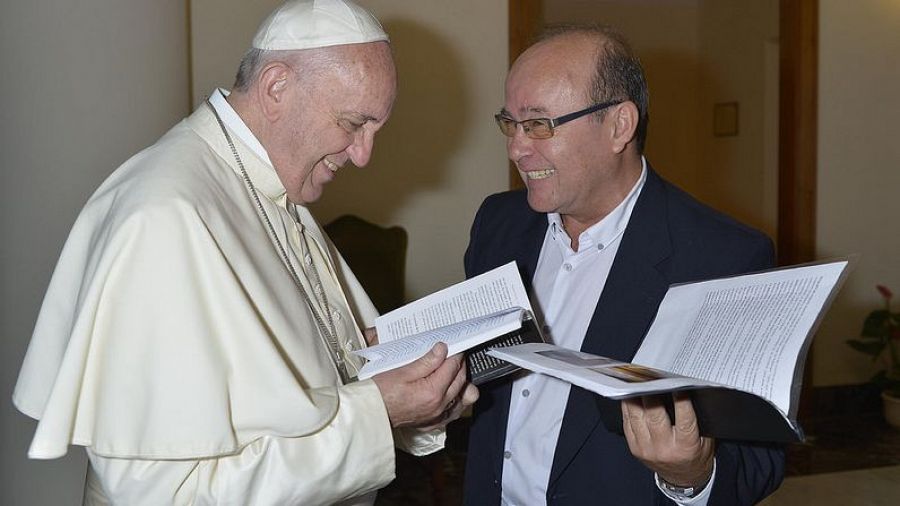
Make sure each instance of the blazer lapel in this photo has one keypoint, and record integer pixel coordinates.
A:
(626, 308)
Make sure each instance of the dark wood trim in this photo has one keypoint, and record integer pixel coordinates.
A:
(797, 147)
(525, 21)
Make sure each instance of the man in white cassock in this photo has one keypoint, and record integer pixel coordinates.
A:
(196, 334)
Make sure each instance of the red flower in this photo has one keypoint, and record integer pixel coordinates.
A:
(884, 291)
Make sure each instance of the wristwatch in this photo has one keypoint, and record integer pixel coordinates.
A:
(680, 491)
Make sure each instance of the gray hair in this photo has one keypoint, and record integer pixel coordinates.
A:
(618, 74)
(248, 70)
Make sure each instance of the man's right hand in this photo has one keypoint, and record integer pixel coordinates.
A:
(431, 391)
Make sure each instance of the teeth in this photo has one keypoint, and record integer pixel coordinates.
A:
(540, 174)
(331, 165)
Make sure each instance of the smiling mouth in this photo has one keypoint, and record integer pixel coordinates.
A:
(333, 167)
(539, 174)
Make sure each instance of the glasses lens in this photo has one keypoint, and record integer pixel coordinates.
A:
(507, 125)
(538, 128)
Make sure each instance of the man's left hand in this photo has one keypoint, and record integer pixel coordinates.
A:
(675, 451)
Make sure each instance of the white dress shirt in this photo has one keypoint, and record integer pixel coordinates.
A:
(567, 286)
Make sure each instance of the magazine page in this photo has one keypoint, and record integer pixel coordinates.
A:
(605, 376)
(747, 332)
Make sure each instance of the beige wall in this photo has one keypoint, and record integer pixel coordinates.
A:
(738, 53)
(85, 85)
(221, 32)
(859, 169)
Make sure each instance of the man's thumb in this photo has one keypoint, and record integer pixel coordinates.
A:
(429, 362)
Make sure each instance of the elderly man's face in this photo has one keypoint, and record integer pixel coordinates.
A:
(334, 118)
(568, 172)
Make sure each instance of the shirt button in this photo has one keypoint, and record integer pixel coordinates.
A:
(507, 454)
(336, 314)
(567, 267)
(600, 247)
(525, 393)
(318, 289)
(308, 259)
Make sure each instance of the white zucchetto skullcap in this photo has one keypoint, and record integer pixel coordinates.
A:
(307, 24)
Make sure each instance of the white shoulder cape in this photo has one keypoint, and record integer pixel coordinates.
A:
(170, 328)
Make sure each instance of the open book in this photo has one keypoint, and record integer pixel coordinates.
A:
(738, 344)
(492, 308)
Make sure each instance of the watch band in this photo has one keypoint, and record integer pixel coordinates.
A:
(679, 490)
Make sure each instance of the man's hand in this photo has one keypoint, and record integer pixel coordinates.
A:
(427, 393)
(676, 452)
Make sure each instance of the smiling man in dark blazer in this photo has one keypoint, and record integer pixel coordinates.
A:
(599, 237)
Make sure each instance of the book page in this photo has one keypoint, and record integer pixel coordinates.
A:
(493, 291)
(747, 332)
(458, 337)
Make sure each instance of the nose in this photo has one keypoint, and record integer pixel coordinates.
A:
(360, 150)
(519, 145)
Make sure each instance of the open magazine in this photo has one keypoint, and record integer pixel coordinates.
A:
(738, 344)
(490, 309)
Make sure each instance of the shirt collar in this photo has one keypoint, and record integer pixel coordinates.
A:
(601, 234)
(263, 176)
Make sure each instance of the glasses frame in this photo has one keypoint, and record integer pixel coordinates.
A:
(552, 123)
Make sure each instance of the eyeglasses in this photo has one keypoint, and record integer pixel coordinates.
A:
(542, 128)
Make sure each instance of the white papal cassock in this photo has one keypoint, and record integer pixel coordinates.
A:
(174, 345)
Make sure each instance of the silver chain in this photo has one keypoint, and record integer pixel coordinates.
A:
(329, 332)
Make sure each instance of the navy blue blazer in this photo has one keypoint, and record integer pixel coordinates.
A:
(670, 238)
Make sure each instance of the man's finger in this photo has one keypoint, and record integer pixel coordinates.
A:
(633, 424)
(655, 417)
(470, 395)
(686, 428)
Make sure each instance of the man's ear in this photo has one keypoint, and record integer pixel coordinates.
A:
(625, 120)
(272, 89)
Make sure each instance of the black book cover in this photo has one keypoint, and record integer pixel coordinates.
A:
(483, 367)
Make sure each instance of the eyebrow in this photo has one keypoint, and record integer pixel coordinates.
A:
(535, 110)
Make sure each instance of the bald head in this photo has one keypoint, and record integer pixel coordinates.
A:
(597, 58)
